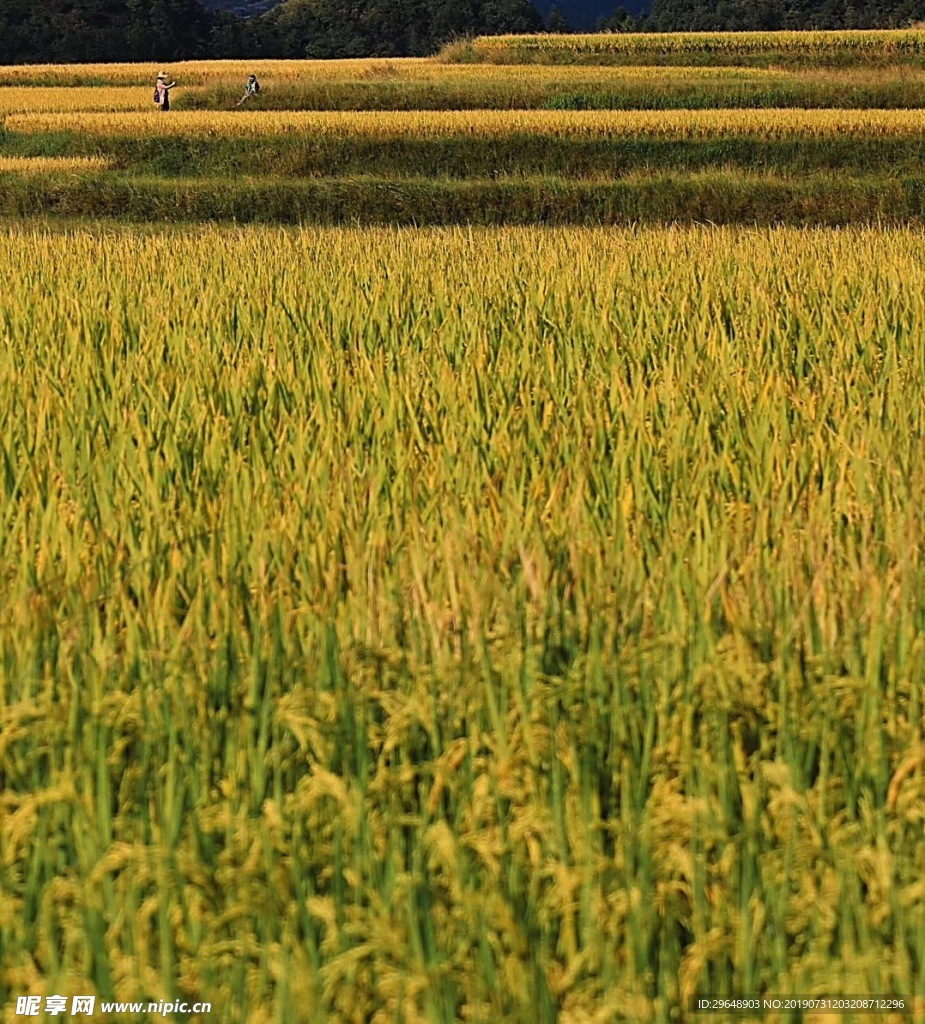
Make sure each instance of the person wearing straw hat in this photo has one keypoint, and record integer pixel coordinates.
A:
(162, 91)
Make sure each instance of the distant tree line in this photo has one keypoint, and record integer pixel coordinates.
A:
(69, 31)
(374, 28)
(165, 30)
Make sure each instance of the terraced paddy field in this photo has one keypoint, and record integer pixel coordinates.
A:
(479, 589)
(793, 49)
(429, 142)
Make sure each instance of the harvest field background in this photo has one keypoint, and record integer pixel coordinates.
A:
(761, 128)
(481, 589)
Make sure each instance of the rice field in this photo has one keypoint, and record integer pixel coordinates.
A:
(845, 48)
(495, 124)
(416, 84)
(405, 69)
(202, 72)
(544, 637)
(496, 596)
(477, 166)
(51, 99)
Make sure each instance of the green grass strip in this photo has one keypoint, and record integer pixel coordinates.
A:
(719, 197)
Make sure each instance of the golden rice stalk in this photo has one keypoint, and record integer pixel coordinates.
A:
(29, 99)
(896, 43)
(50, 164)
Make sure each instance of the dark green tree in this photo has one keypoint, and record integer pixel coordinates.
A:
(556, 21)
(384, 28)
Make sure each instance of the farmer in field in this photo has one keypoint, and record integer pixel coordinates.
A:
(162, 92)
(251, 89)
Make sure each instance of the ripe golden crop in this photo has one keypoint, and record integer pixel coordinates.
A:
(412, 69)
(200, 72)
(48, 99)
(895, 43)
(767, 124)
(501, 624)
(396, 612)
(46, 164)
